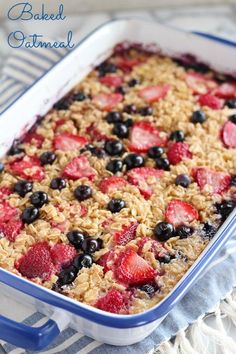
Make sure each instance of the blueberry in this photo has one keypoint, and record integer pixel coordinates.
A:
(133, 82)
(233, 118)
(83, 261)
(79, 96)
(76, 238)
(133, 160)
(183, 180)
(121, 130)
(90, 245)
(163, 163)
(233, 181)
(113, 117)
(98, 152)
(15, 149)
(198, 117)
(183, 231)
(30, 214)
(155, 152)
(163, 231)
(63, 104)
(231, 103)
(131, 108)
(128, 122)
(209, 230)
(115, 205)
(23, 187)
(38, 199)
(114, 147)
(225, 208)
(47, 158)
(121, 89)
(177, 135)
(114, 166)
(83, 192)
(106, 67)
(58, 183)
(149, 289)
(1, 167)
(145, 111)
(165, 259)
(67, 276)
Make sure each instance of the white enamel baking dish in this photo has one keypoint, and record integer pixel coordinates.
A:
(63, 312)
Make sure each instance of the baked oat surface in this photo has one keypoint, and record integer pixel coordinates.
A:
(114, 194)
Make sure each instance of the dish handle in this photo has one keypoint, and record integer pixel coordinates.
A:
(32, 338)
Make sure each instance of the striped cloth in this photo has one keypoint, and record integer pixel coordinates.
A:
(21, 71)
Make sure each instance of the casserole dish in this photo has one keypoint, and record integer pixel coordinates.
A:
(108, 328)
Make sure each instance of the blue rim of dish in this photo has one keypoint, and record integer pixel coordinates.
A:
(108, 319)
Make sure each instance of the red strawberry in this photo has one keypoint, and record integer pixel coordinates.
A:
(68, 142)
(62, 226)
(177, 152)
(127, 64)
(225, 90)
(228, 134)
(11, 229)
(95, 133)
(210, 101)
(34, 138)
(106, 261)
(107, 101)
(62, 255)
(77, 168)
(4, 192)
(112, 183)
(154, 93)
(111, 80)
(114, 301)
(59, 122)
(7, 212)
(36, 262)
(219, 181)
(132, 269)
(126, 235)
(156, 247)
(139, 177)
(28, 167)
(143, 136)
(179, 212)
(199, 83)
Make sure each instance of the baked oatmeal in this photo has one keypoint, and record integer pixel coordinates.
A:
(113, 195)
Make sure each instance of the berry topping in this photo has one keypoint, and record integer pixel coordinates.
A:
(130, 108)
(62, 255)
(27, 167)
(132, 269)
(106, 261)
(68, 142)
(199, 83)
(95, 134)
(5, 192)
(58, 183)
(126, 64)
(133, 160)
(152, 94)
(127, 234)
(34, 138)
(145, 111)
(208, 230)
(210, 101)
(183, 181)
(144, 136)
(115, 205)
(218, 181)
(114, 166)
(183, 231)
(177, 135)
(148, 289)
(83, 261)
(77, 168)
(128, 122)
(29, 215)
(225, 208)
(7, 212)
(163, 164)
(106, 68)
(133, 82)
(163, 231)
(113, 183)
(23, 187)
(47, 158)
(121, 130)
(226, 90)
(231, 103)
(38, 199)
(111, 80)
(15, 149)
(232, 118)
(83, 192)
(228, 134)
(177, 152)
(114, 147)
(11, 229)
(67, 276)
(113, 117)
(107, 101)
(145, 179)
(155, 152)
(79, 96)
(91, 245)
(114, 301)
(179, 212)
(76, 238)
(198, 117)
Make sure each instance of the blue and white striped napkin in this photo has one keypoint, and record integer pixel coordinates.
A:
(20, 72)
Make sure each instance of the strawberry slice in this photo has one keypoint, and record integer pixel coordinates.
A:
(37, 262)
(219, 181)
(28, 168)
(68, 142)
(142, 177)
(7, 212)
(143, 136)
(132, 269)
(179, 212)
(11, 229)
(62, 226)
(228, 134)
(127, 234)
(127, 64)
(177, 152)
(152, 94)
(106, 261)
(95, 133)
(107, 101)
(77, 168)
(199, 83)
(62, 255)
(210, 101)
(5, 192)
(112, 183)
(111, 80)
(34, 138)
(226, 90)
(59, 122)
(114, 301)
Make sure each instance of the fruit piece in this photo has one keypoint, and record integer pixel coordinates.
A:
(114, 147)
(62, 255)
(132, 269)
(154, 93)
(107, 101)
(210, 101)
(62, 226)
(7, 212)
(11, 229)
(127, 234)
(36, 262)
(163, 231)
(199, 83)
(77, 168)
(83, 192)
(94, 133)
(83, 261)
(67, 276)
(163, 163)
(68, 142)
(58, 183)
(183, 231)
(177, 135)
(177, 152)
(198, 117)
(30, 214)
(106, 261)
(91, 245)
(114, 165)
(141, 176)
(28, 167)
(148, 289)
(59, 122)
(133, 160)
(121, 130)
(114, 301)
(183, 180)
(231, 103)
(34, 138)
(228, 134)
(112, 183)
(111, 80)
(143, 136)
(218, 181)
(115, 205)
(225, 90)
(145, 111)
(4, 192)
(179, 212)
(47, 158)
(127, 64)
